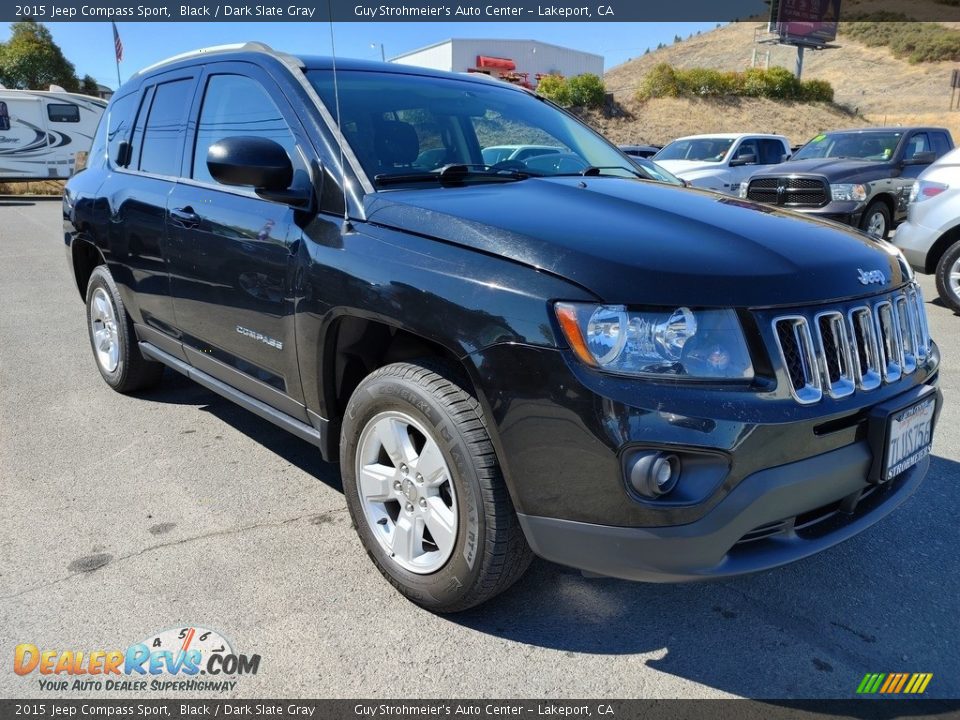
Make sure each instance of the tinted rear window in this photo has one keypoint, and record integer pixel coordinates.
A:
(166, 126)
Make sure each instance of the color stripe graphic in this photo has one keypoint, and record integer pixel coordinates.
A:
(894, 683)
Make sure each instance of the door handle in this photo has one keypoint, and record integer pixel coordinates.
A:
(185, 217)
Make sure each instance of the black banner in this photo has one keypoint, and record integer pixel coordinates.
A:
(441, 10)
(500, 709)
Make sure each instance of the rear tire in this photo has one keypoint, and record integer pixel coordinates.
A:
(948, 277)
(113, 339)
(425, 491)
(876, 220)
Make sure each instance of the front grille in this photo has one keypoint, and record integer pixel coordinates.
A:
(837, 353)
(789, 191)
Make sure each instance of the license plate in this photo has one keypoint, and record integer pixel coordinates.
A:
(909, 437)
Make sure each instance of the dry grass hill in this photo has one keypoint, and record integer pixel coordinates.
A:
(872, 87)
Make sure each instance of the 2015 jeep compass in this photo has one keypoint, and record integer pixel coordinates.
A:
(553, 355)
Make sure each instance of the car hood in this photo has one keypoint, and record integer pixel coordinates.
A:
(834, 169)
(636, 242)
(683, 168)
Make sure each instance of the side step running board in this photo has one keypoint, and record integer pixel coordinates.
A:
(292, 425)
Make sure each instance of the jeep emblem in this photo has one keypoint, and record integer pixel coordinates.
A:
(868, 277)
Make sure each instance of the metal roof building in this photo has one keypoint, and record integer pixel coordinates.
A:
(519, 61)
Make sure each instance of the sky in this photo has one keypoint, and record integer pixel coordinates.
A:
(89, 45)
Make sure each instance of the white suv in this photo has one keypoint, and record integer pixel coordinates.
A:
(723, 160)
(930, 238)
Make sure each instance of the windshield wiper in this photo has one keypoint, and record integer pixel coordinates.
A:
(597, 171)
(456, 174)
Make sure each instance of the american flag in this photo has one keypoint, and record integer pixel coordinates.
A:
(117, 43)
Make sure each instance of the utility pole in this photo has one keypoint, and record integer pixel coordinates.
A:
(799, 72)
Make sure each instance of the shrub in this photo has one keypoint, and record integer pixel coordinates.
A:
(916, 41)
(776, 83)
(586, 90)
(555, 88)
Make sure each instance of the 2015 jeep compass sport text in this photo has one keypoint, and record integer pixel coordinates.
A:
(551, 356)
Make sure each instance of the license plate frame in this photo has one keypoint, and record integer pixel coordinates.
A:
(890, 421)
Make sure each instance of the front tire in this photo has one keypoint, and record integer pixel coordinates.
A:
(113, 339)
(876, 220)
(948, 277)
(424, 488)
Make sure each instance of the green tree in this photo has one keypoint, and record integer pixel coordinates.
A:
(31, 60)
(89, 86)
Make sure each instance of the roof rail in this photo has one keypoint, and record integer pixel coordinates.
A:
(250, 46)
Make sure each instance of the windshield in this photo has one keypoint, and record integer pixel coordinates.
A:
(699, 149)
(405, 128)
(877, 146)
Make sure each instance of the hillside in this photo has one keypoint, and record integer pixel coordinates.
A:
(869, 82)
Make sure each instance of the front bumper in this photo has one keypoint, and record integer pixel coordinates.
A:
(771, 518)
(841, 211)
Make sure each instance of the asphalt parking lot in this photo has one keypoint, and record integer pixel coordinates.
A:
(123, 516)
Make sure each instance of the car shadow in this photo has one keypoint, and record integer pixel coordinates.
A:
(884, 601)
(177, 389)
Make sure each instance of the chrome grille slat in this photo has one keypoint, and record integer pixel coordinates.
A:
(836, 354)
(866, 350)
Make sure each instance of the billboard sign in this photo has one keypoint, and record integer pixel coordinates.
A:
(805, 22)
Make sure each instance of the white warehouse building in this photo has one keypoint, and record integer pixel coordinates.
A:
(521, 61)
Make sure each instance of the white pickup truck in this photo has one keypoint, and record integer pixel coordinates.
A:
(721, 161)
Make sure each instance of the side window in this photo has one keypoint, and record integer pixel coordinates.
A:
(63, 113)
(119, 118)
(98, 148)
(918, 143)
(4, 117)
(237, 105)
(165, 127)
(941, 146)
(747, 147)
(771, 152)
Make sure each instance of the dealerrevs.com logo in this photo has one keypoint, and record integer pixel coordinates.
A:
(180, 659)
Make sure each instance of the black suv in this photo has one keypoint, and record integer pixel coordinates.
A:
(858, 177)
(623, 376)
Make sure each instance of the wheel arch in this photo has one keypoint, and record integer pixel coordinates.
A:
(85, 257)
(943, 243)
(356, 346)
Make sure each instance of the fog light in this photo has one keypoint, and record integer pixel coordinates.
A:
(655, 474)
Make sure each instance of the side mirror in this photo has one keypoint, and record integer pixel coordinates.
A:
(744, 160)
(257, 162)
(921, 158)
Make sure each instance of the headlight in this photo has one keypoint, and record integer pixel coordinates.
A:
(695, 344)
(846, 191)
(744, 186)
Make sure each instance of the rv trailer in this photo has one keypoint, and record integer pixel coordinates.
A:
(41, 131)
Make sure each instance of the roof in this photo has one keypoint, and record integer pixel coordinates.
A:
(896, 128)
(730, 136)
(242, 51)
(517, 41)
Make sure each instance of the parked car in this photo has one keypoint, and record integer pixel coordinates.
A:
(503, 153)
(858, 177)
(641, 151)
(930, 237)
(721, 162)
(636, 379)
(42, 131)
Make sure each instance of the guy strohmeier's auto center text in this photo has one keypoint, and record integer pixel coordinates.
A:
(307, 12)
